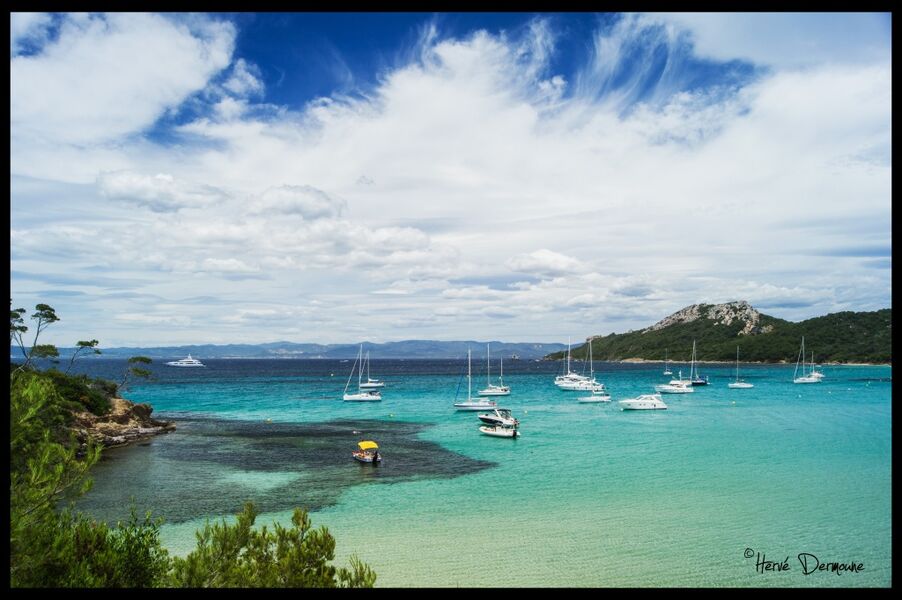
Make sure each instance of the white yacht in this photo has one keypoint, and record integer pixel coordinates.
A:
(643, 402)
(667, 370)
(739, 384)
(674, 388)
(804, 378)
(589, 385)
(362, 395)
(186, 362)
(499, 416)
(492, 389)
(370, 383)
(471, 403)
(597, 396)
(500, 431)
(571, 379)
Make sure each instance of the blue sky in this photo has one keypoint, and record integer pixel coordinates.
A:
(317, 177)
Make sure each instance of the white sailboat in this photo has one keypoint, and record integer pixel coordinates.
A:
(471, 404)
(739, 385)
(667, 370)
(803, 378)
(362, 395)
(694, 377)
(492, 389)
(569, 380)
(599, 393)
(370, 383)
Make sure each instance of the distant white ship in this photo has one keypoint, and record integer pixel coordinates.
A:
(186, 362)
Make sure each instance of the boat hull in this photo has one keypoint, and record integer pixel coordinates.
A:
(362, 398)
(673, 389)
(740, 386)
(506, 432)
(494, 392)
(472, 406)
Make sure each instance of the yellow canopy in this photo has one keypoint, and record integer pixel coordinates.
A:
(367, 445)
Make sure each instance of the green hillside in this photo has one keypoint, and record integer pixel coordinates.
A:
(844, 337)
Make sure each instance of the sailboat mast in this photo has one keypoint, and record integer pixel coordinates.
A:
(568, 355)
(737, 364)
(488, 366)
(360, 369)
(469, 373)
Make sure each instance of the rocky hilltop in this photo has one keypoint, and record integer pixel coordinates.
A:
(717, 330)
(720, 314)
(125, 423)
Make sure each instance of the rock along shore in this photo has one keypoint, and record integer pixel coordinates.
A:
(126, 422)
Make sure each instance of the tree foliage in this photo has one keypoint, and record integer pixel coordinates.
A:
(838, 337)
(239, 556)
(83, 346)
(52, 545)
(134, 371)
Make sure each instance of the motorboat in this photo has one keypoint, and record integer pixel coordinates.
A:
(597, 396)
(671, 388)
(186, 362)
(471, 403)
(499, 431)
(367, 452)
(643, 402)
(499, 416)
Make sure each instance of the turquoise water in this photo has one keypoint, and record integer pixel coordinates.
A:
(589, 495)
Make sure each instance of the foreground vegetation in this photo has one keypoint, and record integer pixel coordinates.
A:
(52, 545)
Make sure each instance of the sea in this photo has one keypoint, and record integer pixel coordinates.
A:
(780, 485)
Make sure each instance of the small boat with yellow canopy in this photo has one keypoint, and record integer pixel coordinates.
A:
(367, 452)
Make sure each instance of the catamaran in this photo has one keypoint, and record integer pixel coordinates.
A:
(738, 384)
(471, 404)
(362, 395)
(492, 389)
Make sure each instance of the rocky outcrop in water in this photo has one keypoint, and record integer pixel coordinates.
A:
(126, 422)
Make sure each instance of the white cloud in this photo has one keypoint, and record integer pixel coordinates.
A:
(301, 200)
(545, 262)
(112, 75)
(475, 186)
(161, 192)
(787, 39)
(244, 80)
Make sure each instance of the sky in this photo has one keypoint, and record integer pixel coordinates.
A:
(526, 177)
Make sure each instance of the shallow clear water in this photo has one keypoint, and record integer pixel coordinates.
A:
(589, 495)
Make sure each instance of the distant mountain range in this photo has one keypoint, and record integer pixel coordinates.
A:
(843, 337)
(405, 349)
